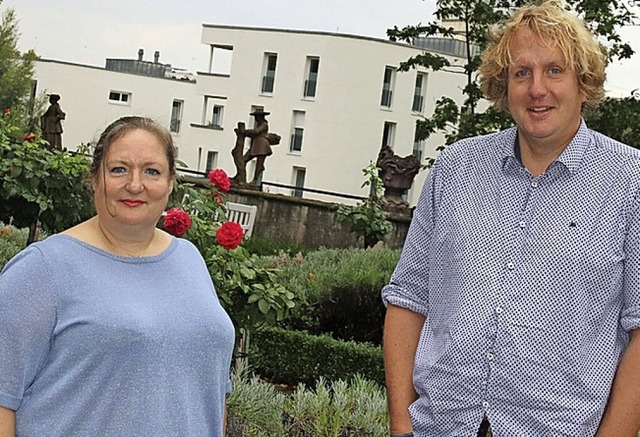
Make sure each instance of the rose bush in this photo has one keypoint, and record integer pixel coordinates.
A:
(219, 178)
(230, 235)
(176, 222)
(251, 293)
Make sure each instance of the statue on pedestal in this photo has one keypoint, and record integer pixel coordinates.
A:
(397, 176)
(260, 148)
(51, 124)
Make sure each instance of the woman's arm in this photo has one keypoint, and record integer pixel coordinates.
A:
(7, 422)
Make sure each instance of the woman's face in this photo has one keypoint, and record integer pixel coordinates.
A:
(134, 182)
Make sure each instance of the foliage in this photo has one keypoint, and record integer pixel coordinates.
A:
(604, 18)
(293, 357)
(39, 184)
(338, 291)
(367, 219)
(12, 241)
(250, 292)
(263, 246)
(353, 408)
(617, 118)
(16, 74)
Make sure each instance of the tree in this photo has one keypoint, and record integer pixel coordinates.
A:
(617, 118)
(16, 74)
(475, 17)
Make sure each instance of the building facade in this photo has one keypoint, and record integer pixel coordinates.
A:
(334, 99)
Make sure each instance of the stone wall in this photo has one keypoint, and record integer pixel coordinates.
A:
(308, 222)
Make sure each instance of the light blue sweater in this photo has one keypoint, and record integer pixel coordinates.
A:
(93, 343)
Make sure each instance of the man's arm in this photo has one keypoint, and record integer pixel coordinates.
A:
(622, 416)
(401, 333)
(7, 422)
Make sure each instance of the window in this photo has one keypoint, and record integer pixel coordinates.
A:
(216, 116)
(388, 134)
(119, 97)
(213, 111)
(176, 116)
(299, 175)
(387, 86)
(269, 72)
(313, 64)
(212, 160)
(297, 132)
(418, 146)
(418, 93)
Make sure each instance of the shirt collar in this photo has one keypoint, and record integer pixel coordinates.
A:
(571, 157)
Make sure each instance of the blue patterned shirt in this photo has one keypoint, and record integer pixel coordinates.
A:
(529, 285)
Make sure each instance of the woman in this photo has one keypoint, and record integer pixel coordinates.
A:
(113, 327)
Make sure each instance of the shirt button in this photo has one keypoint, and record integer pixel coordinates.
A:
(511, 266)
(485, 404)
(522, 224)
(498, 310)
(534, 184)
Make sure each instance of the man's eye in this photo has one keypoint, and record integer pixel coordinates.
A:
(555, 70)
(522, 73)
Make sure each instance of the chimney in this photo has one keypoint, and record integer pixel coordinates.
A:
(156, 56)
(140, 54)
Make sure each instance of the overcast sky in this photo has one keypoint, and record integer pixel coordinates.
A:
(89, 31)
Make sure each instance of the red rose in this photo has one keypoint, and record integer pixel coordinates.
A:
(229, 235)
(29, 137)
(6, 111)
(220, 179)
(176, 222)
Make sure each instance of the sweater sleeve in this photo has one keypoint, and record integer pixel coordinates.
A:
(27, 320)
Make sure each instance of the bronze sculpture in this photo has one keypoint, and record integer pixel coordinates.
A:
(51, 124)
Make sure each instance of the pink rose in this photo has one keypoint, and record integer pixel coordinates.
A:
(219, 178)
(229, 235)
(176, 222)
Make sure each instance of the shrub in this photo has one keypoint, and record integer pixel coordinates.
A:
(293, 357)
(352, 408)
(338, 291)
(12, 241)
(263, 246)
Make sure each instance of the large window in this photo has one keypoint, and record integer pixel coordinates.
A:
(176, 116)
(299, 174)
(418, 93)
(311, 81)
(297, 132)
(387, 86)
(269, 72)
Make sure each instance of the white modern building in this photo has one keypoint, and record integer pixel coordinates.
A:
(334, 99)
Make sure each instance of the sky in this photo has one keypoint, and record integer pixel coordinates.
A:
(89, 31)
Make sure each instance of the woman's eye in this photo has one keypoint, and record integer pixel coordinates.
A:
(118, 170)
(153, 172)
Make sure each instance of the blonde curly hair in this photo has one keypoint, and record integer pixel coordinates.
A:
(553, 24)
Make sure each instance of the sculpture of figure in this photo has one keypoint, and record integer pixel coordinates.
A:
(51, 124)
(261, 142)
(397, 176)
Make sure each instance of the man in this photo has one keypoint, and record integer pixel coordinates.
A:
(516, 301)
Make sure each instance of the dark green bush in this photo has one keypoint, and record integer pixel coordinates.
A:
(293, 357)
(262, 246)
(338, 291)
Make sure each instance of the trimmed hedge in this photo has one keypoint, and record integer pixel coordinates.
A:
(293, 357)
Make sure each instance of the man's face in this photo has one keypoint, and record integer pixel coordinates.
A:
(542, 93)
